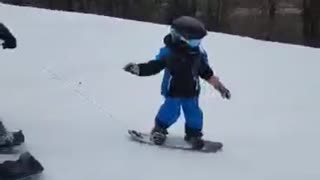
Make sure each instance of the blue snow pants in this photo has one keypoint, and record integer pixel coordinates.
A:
(170, 111)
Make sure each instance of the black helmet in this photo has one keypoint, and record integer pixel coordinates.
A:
(189, 30)
(189, 27)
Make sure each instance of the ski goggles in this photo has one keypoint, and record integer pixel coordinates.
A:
(190, 42)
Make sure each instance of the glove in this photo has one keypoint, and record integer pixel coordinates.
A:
(225, 93)
(9, 43)
(132, 68)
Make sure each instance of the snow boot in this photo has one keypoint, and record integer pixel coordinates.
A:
(25, 166)
(194, 137)
(10, 139)
(158, 135)
(196, 141)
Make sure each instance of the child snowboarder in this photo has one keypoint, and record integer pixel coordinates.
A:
(184, 61)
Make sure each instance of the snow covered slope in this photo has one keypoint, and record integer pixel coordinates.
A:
(65, 87)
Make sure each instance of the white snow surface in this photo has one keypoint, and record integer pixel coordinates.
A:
(65, 88)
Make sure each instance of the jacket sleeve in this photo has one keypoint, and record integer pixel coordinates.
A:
(4, 32)
(154, 66)
(205, 71)
(151, 68)
(8, 38)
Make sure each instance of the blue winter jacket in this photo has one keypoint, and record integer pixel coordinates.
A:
(165, 52)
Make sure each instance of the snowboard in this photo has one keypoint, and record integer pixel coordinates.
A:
(175, 142)
(8, 150)
(30, 177)
(12, 149)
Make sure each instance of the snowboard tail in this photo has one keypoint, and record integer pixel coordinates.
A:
(28, 177)
(175, 142)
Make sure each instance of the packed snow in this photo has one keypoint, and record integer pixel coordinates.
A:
(65, 88)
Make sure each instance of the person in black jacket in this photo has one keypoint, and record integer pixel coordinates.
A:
(26, 165)
(184, 61)
(8, 139)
